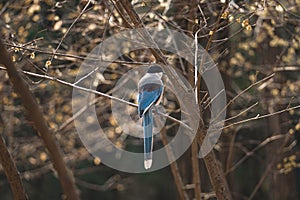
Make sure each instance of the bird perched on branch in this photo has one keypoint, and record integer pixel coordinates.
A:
(150, 89)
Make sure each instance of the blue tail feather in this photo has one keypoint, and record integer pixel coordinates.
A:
(148, 138)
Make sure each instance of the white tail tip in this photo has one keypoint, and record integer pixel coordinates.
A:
(147, 163)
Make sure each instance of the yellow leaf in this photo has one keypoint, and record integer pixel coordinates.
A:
(59, 117)
(33, 8)
(245, 23)
(279, 166)
(48, 63)
(57, 25)
(36, 18)
(13, 58)
(297, 127)
(97, 161)
(291, 131)
(43, 156)
(249, 28)
(32, 55)
(32, 160)
(275, 92)
(279, 8)
(292, 158)
(225, 15)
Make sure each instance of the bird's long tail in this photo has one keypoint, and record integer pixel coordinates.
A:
(148, 138)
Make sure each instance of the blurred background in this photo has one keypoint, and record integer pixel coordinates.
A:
(256, 46)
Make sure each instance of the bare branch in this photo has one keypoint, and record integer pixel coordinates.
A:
(29, 102)
(11, 172)
(215, 171)
(262, 116)
(68, 30)
(174, 167)
(250, 153)
(269, 167)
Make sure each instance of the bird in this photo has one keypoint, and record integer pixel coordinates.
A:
(150, 90)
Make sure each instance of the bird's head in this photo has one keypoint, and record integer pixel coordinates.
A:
(155, 69)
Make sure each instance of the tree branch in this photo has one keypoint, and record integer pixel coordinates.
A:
(65, 176)
(11, 172)
(214, 169)
(98, 93)
(174, 167)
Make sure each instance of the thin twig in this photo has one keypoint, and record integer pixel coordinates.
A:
(242, 112)
(262, 116)
(230, 152)
(174, 167)
(89, 58)
(196, 172)
(244, 91)
(98, 93)
(250, 153)
(269, 167)
(4, 8)
(76, 115)
(196, 65)
(68, 30)
(212, 99)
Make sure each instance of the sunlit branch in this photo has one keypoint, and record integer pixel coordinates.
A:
(98, 93)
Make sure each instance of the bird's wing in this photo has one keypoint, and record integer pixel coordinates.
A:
(149, 94)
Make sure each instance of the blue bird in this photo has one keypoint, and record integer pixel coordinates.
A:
(150, 89)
